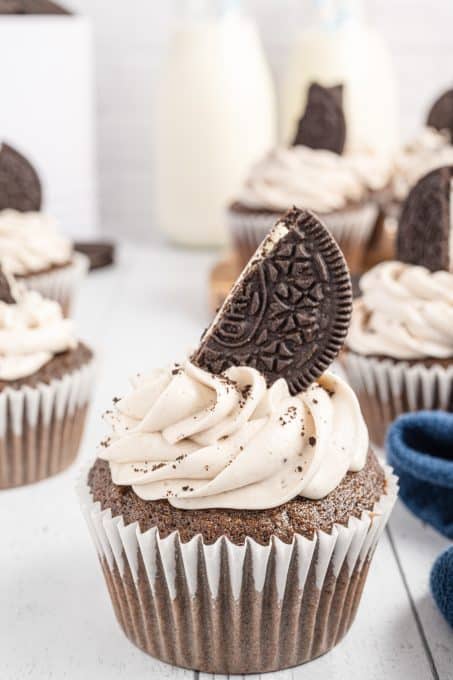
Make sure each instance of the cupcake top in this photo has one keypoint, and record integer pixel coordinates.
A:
(251, 420)
(405, 312)
(202, 440)
(32, 331)
(30, 242)
(429, 150)
(319, 179)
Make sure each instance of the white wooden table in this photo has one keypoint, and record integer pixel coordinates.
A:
(56, 620)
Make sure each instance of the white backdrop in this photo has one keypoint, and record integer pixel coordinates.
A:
(46, 110)
(130, 37)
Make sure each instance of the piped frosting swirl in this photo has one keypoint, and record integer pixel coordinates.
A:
(314, 179)
(30, 242)
(429, 150)
(32, 331)
(405, 312)
(202, 440)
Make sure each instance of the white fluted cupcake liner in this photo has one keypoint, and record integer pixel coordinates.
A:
(386, 389)
(41, 427)
(62, 283)
(225, 608)
(351, 228)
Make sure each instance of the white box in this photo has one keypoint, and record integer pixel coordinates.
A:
(47, 110)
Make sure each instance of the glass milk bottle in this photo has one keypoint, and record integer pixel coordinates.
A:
(339, 47)
(215, 116)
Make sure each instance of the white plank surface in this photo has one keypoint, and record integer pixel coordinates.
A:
(417, 546)
(55, 617)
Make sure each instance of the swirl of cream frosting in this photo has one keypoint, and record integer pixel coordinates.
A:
(429, 150)
(405, 312)
(32, 331)
(228, 441)
(30, 242)
(315, 179)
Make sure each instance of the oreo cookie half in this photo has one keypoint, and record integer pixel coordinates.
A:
(425, 226)
(289, 312)
(441, 115)
(5, 289)
(323, 124)
(100, 253)
(20, 188)
(31, 7)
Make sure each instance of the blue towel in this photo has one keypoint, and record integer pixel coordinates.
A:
(442, 584)
(420, 449)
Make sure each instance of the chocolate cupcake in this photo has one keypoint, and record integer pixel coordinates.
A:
(319, 172)
(34, 251)
(236, 505)
(430, 149)
(45, 382)
(399, 352)
(31, 248)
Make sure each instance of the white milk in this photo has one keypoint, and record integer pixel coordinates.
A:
(215, 117)
(341, 48)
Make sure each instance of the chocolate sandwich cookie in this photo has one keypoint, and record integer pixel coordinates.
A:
(441, 115)
(100, 253)
(288, 313)
(31, 7)
(424, 233)
(20, 187)
(323, 124)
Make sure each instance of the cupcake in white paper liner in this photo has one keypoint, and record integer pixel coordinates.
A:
(399, 352)
(235, 504)
(230, 608)
(34, 251)
(41, 427)
(210, 572)
(61, 284)
(387, 388)
(343, 186)
(351, 228)
(46, 377)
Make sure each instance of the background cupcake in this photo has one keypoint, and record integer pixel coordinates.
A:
(319, 172)
(399, 352)
(45, 381)
(431, 148)
(235, 512)
(31, 247)
(33, 250)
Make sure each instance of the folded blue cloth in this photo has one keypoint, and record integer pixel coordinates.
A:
(442, 584)
(420, 449)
